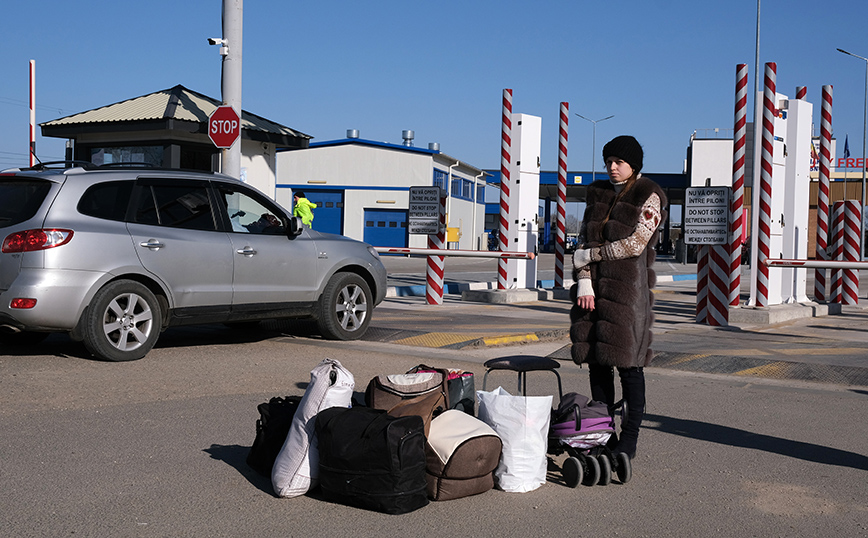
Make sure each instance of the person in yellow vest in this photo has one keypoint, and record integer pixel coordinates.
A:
(302, 207)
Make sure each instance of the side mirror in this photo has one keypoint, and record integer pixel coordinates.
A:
(295, 227)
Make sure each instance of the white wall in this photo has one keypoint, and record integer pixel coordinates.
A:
(259, 167)
(711, 158)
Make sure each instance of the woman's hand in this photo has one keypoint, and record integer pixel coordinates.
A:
(585, 302)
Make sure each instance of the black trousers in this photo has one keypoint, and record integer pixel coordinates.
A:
(602, 380)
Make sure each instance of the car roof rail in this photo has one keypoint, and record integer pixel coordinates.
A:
(60, 165)
(140, 164)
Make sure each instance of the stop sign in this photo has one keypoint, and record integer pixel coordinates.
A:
(224, 126)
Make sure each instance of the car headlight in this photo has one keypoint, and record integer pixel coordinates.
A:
(373, 252)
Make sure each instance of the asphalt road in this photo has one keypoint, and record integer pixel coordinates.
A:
(156, 448)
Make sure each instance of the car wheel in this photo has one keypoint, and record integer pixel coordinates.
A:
(345, 307)
(123, 322)
(24, 338)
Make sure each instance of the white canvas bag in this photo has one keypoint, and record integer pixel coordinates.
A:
(296, 467)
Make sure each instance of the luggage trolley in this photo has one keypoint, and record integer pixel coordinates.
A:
(589, 462)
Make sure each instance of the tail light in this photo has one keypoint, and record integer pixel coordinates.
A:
(31, 240)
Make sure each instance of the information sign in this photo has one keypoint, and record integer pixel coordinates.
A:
(706, 215)
(424, 212)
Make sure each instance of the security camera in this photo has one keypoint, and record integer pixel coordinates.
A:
(215, 41)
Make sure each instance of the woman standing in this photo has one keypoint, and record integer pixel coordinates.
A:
(611, 319)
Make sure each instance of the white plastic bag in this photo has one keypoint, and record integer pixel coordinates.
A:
(296, 467)
(522, 422)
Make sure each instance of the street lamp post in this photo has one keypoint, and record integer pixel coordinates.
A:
(594, 144)
(864, 137)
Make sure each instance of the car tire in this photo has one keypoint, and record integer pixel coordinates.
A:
(123, 322)
(345, 307)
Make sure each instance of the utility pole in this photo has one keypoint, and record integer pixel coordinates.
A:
(231, 50)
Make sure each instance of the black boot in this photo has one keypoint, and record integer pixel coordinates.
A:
(602, 380)
(633, 387)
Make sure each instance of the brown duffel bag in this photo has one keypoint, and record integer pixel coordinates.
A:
(425, 394)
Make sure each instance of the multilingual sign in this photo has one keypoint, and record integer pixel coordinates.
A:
(424, 213)
(706, 215)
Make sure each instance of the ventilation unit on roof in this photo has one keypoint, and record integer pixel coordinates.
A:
(434, 146)
(408, 137)
(352, 133)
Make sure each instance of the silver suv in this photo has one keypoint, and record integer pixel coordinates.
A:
(114, 255)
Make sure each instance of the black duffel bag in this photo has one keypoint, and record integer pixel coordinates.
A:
(272, 427)
(370, 459)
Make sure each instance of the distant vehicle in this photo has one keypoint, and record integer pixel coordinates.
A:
(113, 255)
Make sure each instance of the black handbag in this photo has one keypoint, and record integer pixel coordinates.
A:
(272, 427)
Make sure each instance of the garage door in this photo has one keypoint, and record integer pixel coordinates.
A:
(329, 212)
(386, 227)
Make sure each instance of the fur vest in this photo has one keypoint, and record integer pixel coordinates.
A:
(618, 331)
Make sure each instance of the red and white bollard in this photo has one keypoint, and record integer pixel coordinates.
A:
(765, 205)
(846, 231)
(701, 284)
(560, 241)
(801, 92)
(505, 160)
(823, 194)
(736, 226)
(436, 266)
(32, 112)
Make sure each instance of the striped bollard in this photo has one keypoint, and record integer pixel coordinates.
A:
(823, 193)
(436, 264)
(505, 160)
(701, 284)
(836, 250)
(801, 92)
(560, 241)
(718, 285)
(852, 216)
(737, 231)
(768, 148)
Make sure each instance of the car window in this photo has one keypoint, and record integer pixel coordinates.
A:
(20, 198)
(175, 204)
(107, 200)
(248, 214)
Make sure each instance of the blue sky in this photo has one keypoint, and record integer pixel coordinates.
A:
(664, 68)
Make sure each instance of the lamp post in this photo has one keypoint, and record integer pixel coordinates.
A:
(864, 136)
(594, 144)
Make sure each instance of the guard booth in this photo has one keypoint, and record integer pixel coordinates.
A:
(169, 129)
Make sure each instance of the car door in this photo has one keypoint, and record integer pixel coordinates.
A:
(177, 237)
(270, 267)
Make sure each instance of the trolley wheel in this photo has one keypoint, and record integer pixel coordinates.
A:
(624, 467)
(593, 468)
(605, 470)
(572, 472)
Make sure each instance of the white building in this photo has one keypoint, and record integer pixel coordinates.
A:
(361, 188)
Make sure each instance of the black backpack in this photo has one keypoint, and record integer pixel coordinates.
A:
(272, 427)
(370, 459)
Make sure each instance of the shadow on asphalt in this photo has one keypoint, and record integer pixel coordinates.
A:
(725, 435)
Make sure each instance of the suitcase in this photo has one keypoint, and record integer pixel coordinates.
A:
(461, 455)
(372, 460)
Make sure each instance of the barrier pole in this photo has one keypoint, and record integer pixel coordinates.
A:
(560, 241)
(768, 149)
(823, 193)
(505, 161)
(850, 251)
(436, 263)
(737, 231)
(701, 284)
(411, 251)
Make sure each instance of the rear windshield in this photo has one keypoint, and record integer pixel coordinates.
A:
(20, 199)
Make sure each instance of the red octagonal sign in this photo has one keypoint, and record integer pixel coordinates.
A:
(224, 126)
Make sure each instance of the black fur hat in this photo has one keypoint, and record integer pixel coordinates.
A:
(627, 148)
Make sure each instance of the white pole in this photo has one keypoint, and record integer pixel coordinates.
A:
(32, 142)
(233, 15)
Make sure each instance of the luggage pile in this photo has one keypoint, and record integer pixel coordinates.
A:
(416, 439)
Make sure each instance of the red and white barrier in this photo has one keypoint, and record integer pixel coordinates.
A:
(505, 161)
(801, 92)
(765, 194)
(702, 285)
(436, 263)
(718, 285)
(32, 150)
(560, 241)
(846, 219)
(823, 193)
(411, 251)
(812, 264)
(736, 224)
